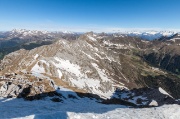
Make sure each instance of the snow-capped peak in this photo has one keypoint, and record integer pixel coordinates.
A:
(25, 32)
(149, 35)
(68, 32)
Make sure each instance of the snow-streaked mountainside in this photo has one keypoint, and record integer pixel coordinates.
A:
(93, 64)
(83, 76)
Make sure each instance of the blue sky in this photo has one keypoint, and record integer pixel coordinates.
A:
(87, 15)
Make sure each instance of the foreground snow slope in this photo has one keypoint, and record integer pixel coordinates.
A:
(81, 109)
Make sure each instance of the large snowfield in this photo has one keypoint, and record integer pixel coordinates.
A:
(83, 108)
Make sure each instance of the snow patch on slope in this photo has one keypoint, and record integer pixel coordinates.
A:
(164, 92)
(93, 85)
(60, 73)
(89, 56)
(174, 39)
(38, 69)
(119, 46)
(91, 38)
(88, 83)
(101, 72)
(67, 66)
(36, 56)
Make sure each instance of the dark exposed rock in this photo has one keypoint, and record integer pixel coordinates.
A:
(25, 92)
(142, 97)
(57, 100)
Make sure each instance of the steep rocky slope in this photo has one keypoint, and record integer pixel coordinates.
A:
(165, 53)
(93, 64)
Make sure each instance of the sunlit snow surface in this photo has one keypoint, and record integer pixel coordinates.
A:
(81, 109)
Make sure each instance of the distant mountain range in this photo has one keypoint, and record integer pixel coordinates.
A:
(151, 35)
(147, 34)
